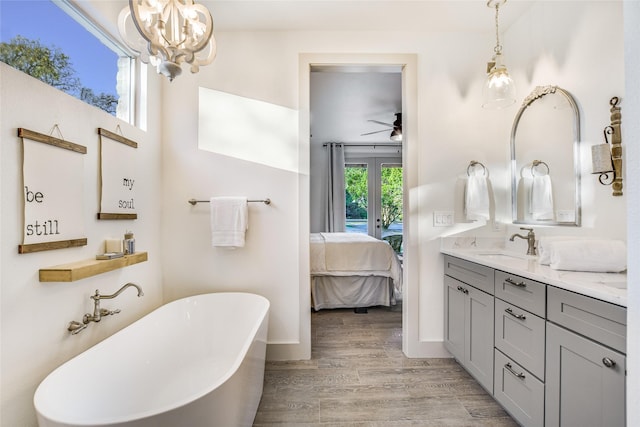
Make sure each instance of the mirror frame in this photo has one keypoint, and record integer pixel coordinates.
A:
(538, 93)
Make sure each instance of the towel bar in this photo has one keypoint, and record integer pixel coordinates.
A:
(265, 201)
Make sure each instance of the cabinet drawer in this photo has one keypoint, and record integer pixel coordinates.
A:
(525, 293)
(521, 336)
(470, 273)
(519, 392)
(595, 319)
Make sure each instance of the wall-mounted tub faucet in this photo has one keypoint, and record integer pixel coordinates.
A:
(98, 313)
(530, 238)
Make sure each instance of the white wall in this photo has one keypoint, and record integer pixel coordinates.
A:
(34, 315)
(631, 134)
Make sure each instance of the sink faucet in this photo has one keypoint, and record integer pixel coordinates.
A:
(98, 312)
(530, 238)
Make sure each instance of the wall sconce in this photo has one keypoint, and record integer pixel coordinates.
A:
(173, 32)
(607, 158)
(499, 90)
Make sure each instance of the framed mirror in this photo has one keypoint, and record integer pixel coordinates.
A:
(545, 159)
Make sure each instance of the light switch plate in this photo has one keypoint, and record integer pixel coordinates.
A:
(443, 218)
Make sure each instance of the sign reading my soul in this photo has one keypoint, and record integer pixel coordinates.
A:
(53, 172)
(118, 177)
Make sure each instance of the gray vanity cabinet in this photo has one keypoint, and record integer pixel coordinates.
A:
(469, 317)
(520, 347)
(586, 366)
(581, 389)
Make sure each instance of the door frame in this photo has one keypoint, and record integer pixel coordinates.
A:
(408, 64)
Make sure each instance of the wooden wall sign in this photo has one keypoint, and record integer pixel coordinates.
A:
(118, 177)
(53, 192)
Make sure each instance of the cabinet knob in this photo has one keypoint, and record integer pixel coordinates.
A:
(608, 362)
(463, 290)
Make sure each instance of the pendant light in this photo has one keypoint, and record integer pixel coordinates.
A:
(499, 90)
(169, 32)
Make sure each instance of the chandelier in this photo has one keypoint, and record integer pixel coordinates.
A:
(169, 32)
(499, 89)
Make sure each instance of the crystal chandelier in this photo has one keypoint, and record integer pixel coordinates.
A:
(169, 32)
(499, 89)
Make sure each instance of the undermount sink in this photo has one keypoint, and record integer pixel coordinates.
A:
(504, 256)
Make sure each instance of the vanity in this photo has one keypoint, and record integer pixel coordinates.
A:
(549, 345)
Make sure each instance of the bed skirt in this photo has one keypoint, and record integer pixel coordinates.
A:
(351, 291)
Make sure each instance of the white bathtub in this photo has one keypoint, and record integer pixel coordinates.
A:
(198, 361)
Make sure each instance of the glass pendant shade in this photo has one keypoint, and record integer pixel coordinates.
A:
(167, 33)
(499, 90)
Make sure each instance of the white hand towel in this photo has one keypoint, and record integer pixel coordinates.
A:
(541, 203)
(229, 221)
(476, 204)
(601, 256)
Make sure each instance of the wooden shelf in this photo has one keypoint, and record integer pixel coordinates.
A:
(87, 268)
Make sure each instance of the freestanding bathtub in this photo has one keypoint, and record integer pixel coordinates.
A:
(198, 361)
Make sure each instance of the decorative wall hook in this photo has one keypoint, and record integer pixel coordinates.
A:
(607, 157)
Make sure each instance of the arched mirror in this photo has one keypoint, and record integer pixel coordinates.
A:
(545, 159)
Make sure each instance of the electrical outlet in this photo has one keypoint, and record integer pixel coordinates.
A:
(443, 218)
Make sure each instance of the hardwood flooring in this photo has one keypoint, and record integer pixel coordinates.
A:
(358, 376)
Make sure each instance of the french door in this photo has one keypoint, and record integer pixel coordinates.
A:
(373, 188)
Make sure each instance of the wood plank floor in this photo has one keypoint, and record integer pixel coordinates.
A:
(358, 376)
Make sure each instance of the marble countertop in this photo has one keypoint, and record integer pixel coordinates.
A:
(609, 287)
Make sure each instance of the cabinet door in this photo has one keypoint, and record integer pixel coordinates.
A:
(585, 382)
(454, 317)
(479, 332)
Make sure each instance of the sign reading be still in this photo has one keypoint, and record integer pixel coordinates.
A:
(53, 174)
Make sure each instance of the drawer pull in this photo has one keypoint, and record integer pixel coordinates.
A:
(509, 368)
(517, 316)
(510, 281)
(463, 290)
(608, 362)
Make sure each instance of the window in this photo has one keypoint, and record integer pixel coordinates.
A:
(55, 43)
(373, 195)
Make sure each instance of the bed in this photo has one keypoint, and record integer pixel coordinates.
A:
(353, 270)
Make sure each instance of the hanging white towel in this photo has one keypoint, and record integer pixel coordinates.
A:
(541, 203)
(477, 203)
(229, 221)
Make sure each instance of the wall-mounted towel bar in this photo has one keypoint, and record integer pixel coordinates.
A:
(265, 201)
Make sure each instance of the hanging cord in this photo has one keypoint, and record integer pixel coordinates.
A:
(54, 129)
(498, 48)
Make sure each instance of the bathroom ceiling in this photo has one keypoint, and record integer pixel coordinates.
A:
(376, 15)
(343, 15)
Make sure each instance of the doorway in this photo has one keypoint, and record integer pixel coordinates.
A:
(406, 66)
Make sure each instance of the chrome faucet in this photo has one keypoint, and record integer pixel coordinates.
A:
(98, 313)
(530, 238)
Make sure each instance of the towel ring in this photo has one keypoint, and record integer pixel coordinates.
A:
(473, 164)
(537, 163)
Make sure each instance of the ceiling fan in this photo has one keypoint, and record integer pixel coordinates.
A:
(396, 133)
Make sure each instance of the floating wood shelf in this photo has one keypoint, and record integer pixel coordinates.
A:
(87, 268)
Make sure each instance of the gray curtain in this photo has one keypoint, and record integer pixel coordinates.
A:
(335, 201)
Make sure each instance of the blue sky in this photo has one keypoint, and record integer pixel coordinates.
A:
(95, 64)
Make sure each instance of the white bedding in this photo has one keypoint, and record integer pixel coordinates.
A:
(354, 254)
